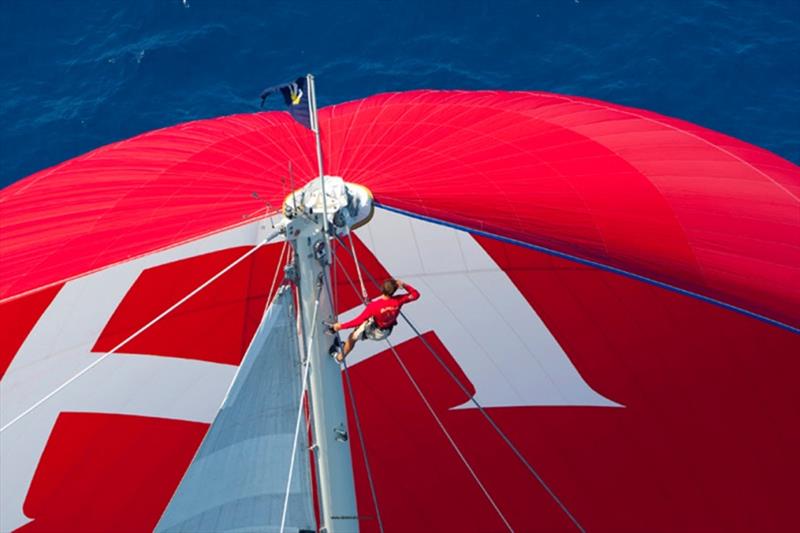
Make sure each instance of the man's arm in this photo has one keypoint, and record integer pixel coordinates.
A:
(365, 314)
(411, 293)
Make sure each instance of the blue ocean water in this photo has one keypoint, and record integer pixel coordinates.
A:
(75, 75)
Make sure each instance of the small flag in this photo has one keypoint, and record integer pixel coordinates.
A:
(295, 95)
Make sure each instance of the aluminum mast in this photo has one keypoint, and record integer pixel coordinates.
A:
(326, 206)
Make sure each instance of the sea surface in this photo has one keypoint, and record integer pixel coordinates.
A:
(75, 75)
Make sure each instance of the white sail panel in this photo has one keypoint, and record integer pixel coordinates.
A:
(237, 480)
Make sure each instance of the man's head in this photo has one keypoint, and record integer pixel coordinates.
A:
(389, 287)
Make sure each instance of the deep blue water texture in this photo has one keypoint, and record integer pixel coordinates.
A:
(81, 74)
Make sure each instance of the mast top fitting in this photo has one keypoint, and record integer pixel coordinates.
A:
(349, 205)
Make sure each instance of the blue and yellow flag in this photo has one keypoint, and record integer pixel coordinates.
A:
(295, 95)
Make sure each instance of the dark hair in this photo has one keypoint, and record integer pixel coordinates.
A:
(388, 287)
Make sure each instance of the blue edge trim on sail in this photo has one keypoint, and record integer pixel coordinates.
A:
(595, 264)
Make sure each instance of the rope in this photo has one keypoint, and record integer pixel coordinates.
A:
(364, 295)
(449, 438)
(141, 330)
(442, 427)
(269, 299)
(275, 275)
(489, 419)
(363, 446)
(306, 365)
(326, 282)
(335, 284)
(494, 425)
(350, 280)
(355, 409)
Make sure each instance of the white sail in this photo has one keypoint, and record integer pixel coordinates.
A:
(237, 480)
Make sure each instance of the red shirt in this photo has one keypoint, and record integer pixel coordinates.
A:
(384, 310)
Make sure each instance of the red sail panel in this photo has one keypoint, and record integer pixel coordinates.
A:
(642, 408)
(632, 189)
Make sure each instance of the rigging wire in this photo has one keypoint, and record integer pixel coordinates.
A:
(449, 437)
(364, 295)
(306, 366)
(441, 424)
(485, 414)
(361, 439)
(335, 283)
(269, 300)
(363, 446)
(494, 425)
(140, 330)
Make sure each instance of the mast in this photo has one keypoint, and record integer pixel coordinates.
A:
(312, 102)
(325, 206)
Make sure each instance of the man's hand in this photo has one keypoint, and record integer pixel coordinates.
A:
(399, 283)
(336, 326)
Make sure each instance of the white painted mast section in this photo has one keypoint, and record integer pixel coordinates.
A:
(330, 437)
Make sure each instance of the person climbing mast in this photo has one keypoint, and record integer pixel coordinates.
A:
(378, 318)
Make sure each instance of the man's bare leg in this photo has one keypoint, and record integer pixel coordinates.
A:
(349, 344)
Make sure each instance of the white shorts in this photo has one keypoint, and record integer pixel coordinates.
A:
(370, 330)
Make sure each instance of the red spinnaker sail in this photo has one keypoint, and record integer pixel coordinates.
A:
(620, 289)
